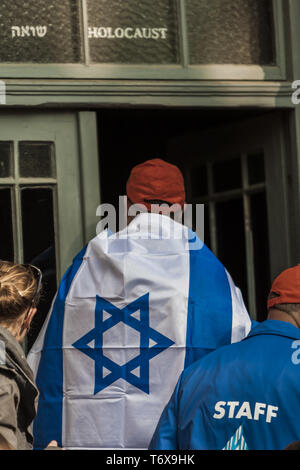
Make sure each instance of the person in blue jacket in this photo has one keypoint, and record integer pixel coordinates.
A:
(245, 395)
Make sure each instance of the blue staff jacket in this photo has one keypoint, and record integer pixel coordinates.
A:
(242, 396)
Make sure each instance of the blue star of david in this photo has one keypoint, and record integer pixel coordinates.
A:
(146, 353)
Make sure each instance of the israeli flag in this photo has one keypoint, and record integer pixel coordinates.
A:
(130, 314)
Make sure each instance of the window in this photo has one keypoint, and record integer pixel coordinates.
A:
(113, 38)
(236, 227)
(230, 31)
(40, 31)
(134, 32)
(49, 191)
(27, 207)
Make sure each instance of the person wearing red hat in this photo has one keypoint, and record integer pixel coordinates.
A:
(284, 298)
(156, 185)
(134, 310)
(244, 396)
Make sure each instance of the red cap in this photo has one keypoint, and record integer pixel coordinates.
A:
(156, 180)
(286, 288)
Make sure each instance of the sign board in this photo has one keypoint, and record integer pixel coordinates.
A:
(133, 31)
(119, 31)
(39, 31)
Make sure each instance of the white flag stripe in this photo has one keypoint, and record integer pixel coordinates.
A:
(241, 323)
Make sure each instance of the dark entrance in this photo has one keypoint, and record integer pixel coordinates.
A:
(130, 136)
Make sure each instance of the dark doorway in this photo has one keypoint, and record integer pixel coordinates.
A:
(128, 137)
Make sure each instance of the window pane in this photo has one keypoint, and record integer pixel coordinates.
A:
(36, 159)
(39, 31)
(230, 31)
(231, 241)
(133, 32)
(6, 159)
(256, 168)
(227, 175)
(199, 181)
(39, 246)
(259, 220)
(6, 232)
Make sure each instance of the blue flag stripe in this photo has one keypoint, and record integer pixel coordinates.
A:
(49, 379)
(209, 319)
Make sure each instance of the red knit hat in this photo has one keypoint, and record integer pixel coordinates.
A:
(286, 288)
(155, 182)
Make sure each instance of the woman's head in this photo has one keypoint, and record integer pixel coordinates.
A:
(18, 295)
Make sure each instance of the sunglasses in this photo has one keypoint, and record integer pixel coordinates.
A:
(37, 273)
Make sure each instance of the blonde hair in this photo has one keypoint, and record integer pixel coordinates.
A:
(17, 288)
